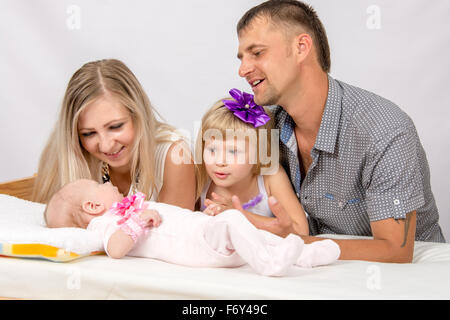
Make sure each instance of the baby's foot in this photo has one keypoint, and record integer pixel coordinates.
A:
(282, 256)
(319, 253)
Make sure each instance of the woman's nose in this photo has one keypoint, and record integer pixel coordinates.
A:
(105, 144)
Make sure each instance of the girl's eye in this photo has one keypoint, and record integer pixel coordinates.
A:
(117, 126)
(211, 150)
(233, 151)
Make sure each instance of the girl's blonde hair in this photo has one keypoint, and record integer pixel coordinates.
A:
(64, 160)
(220, 118)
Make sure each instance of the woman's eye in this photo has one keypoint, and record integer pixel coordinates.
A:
(117, 126)
(87, 134)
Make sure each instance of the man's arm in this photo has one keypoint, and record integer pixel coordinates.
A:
(393, 240)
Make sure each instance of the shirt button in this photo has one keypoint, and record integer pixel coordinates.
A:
(396, 202)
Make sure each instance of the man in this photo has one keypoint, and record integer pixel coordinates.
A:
(354, 158)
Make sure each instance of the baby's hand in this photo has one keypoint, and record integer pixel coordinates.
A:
(151, 218)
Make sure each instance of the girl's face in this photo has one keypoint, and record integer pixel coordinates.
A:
(106, 131)
(228, 162)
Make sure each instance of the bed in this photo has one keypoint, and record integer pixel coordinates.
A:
(55, 270)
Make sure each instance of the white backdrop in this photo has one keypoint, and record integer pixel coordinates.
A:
(184, 54)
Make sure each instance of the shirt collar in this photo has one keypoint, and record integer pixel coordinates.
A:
(329, 126)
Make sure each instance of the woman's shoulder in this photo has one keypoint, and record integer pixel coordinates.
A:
(166, 134)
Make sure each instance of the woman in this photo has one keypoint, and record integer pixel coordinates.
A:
(107, 131)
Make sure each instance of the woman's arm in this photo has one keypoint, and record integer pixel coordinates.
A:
(179, 177)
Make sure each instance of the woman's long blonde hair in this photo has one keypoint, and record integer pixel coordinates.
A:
(64, 160)
(220, 118)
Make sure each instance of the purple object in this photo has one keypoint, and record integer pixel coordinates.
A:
(246, 109)
(253, 202)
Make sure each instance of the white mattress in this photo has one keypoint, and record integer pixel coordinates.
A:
(100, 277)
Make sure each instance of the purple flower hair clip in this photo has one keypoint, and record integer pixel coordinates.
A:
(246, 109)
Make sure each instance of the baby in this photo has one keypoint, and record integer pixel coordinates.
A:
(134, 227)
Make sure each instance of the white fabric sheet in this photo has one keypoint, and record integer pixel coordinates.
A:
(100, 277)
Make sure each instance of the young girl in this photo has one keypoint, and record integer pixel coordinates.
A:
(108, 131)
(231, 163)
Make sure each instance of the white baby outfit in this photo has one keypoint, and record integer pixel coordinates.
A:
(227, 240)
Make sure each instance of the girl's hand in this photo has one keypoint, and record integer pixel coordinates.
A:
(217, 205)
(213, 209)
(151, 218)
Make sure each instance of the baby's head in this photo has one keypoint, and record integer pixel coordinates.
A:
(228, 149)
(78, 202)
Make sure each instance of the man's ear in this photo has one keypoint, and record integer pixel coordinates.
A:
(93, 207)
(303, 45)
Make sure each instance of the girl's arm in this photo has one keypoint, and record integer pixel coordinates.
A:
(280, 187)
(124, 239)
(280, 192)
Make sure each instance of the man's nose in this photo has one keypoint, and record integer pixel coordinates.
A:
(245, 68)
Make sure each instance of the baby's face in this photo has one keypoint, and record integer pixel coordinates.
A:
(70, 209)
(104, 193)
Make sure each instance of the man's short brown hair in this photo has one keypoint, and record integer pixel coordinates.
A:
(291, 12)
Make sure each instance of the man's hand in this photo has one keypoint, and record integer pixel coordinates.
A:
(281, 224)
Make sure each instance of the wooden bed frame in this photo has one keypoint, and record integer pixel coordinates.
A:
(20, 188)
